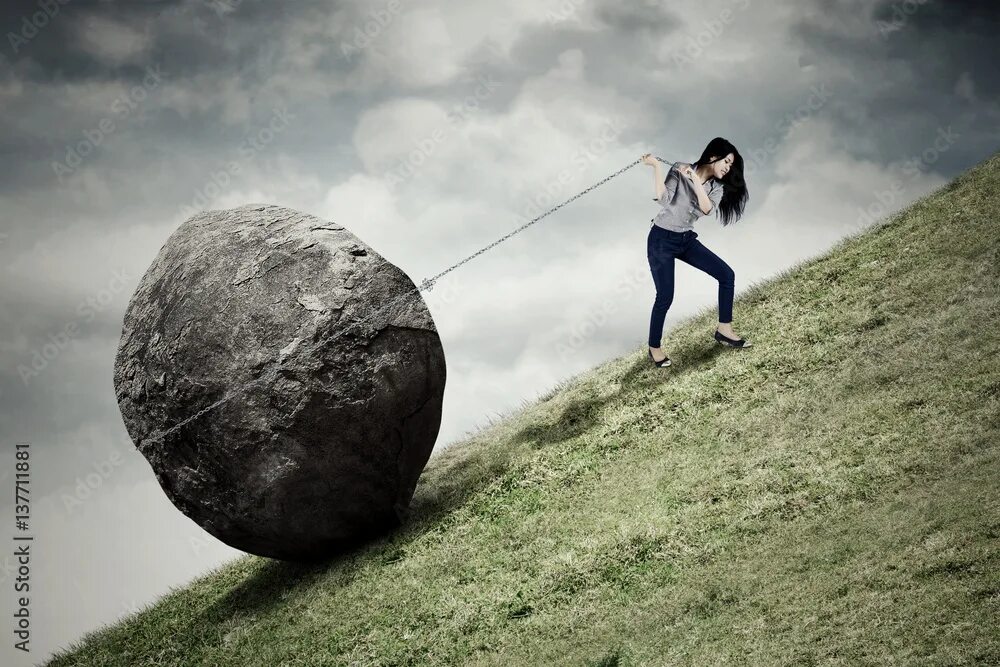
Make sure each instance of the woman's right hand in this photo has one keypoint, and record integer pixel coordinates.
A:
(649, 159)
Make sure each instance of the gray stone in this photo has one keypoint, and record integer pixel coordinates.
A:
(333, 366)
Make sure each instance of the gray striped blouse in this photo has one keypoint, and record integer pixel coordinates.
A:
(680, 203)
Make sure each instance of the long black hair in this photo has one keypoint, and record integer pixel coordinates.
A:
(734, 187)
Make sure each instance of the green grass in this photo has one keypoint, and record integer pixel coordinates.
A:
(828, 496)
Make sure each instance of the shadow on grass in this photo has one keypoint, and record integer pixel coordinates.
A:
(581, 415)
(446, 485)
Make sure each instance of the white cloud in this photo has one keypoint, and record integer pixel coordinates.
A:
(364, 205)
(207, 92)
(113, 42)
(424, 50)
(819, 195)
(424, 46)
(965, 87)
(76, 263)
(556, 122)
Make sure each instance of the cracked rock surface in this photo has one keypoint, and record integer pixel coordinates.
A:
(332, 363)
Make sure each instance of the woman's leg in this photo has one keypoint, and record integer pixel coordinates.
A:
(661, 265)
(700, 257)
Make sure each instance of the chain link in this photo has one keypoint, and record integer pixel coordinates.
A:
(426, 285)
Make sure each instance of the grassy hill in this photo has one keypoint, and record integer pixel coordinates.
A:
(828, 496)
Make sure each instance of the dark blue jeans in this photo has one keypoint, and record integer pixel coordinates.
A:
(662, 246)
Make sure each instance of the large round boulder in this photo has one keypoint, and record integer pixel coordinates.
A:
(283, 380)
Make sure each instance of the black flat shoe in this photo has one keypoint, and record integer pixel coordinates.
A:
(739, 342)
(659, 364)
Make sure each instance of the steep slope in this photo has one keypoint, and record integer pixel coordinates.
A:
(827, 496)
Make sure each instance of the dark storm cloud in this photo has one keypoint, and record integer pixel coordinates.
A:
(189, 36)
(612, 54)
(653, 19)
(907, 61)
(182, 47)
(42, 40)
(962, 33)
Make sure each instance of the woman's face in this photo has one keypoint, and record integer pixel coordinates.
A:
(721, 167)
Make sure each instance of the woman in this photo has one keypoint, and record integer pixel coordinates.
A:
(713, 183)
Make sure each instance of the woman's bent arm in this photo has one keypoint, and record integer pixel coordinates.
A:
(658, 184)
(703, 200)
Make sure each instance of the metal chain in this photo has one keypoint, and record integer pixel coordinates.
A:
(427, 284)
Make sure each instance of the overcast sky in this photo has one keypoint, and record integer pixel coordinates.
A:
(429, 130)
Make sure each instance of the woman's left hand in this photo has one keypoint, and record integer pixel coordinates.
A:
(688, 171)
